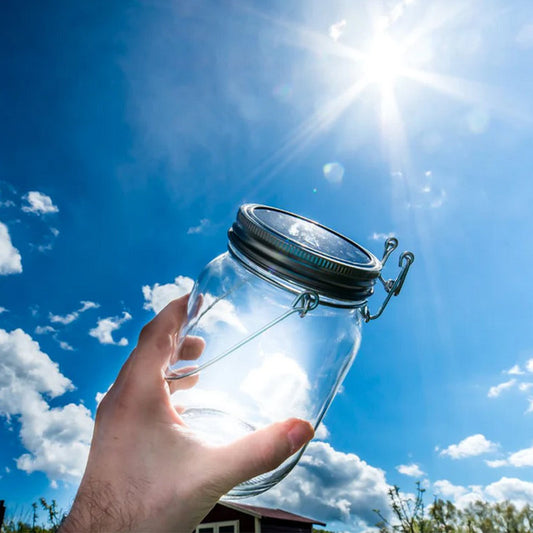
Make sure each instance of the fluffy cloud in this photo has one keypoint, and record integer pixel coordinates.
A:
(514, 490)
(381, 236)
(331, 486)
(71, 317)
(204, 224)
(39, 203)
(519, 459)
(10, 260)
(65, 346)
(529, 365)
(495, 391)
(63, 319)
(496, 463)
(2, 310)
(105, 327)
(448, 490)
(158, 296)
(412, 470)
(42, 330)
(279, 387)
(515, 371)
(220, 311)
(470, 447)
(56, 439)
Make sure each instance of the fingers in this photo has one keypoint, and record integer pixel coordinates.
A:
(191, 348)
(184, 383)
(261, 451)
(158, 339)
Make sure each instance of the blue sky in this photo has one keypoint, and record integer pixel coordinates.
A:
(131, 134)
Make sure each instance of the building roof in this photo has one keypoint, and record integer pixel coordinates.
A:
(267, 512)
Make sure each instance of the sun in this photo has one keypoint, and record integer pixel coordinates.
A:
(384, 61)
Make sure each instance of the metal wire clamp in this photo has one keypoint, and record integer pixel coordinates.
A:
(391, 286)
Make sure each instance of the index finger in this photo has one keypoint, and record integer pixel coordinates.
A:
(157, 340)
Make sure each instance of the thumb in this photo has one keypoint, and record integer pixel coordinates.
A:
(261, 451)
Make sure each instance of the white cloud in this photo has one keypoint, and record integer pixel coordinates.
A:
(376, 236)
(65, 346)
(105, 327)
(448, 490)
(470, 447)
(529, 365)
(71, 317)
(322, 432)
(56, 439)
(522, 458)
(515, 371)
(524, 387)
(43, 330)
(331, 486)
(518, 459)
(511, 489)
(10, 260)
(279, 387)
(3, 310)
(86, 305)
(495, 391)
(497, 463)
(337, 29)
(39, 203)
(158, 296)
(412, 470)
(204, 224)
(63, 319)
(220, 311)
(515, 490)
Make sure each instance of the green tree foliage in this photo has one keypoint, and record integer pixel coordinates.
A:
(410, 515)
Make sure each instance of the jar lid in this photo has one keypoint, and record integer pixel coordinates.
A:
(304, 252)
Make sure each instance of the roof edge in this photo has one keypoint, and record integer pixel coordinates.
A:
(244, 509)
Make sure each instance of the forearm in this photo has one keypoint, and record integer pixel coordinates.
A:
(98, 508)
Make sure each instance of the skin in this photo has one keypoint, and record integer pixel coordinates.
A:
(146, 471)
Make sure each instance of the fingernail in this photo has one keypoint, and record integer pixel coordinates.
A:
(299, 434)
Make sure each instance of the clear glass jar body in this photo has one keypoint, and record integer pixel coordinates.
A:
(293, 368)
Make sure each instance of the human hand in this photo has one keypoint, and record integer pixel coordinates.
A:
(146, 470)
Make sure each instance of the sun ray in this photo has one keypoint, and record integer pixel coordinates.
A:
(471, 92)
(306, 132)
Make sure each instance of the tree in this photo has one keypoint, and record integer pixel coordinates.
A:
(409, 515)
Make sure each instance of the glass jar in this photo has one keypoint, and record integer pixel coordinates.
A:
(281, 314)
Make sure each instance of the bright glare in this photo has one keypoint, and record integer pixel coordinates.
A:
(384, 61)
